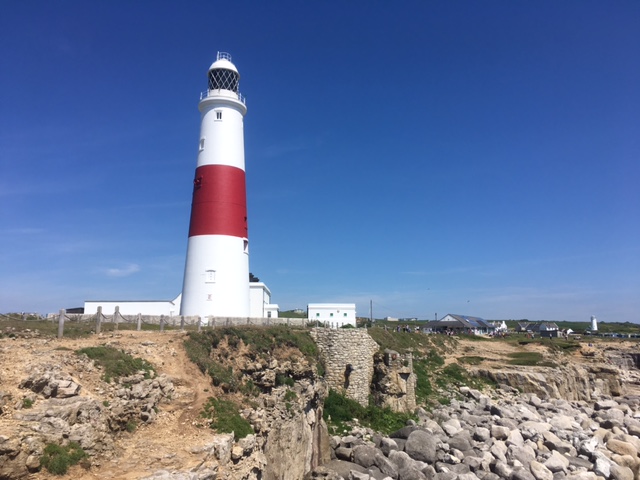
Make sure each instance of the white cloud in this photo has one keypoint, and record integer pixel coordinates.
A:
(123, 272)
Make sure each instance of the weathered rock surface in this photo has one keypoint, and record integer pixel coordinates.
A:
(514, 437)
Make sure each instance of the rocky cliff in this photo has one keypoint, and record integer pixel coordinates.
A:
(149, 425)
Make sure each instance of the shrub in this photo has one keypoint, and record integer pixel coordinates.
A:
(342, 409)
(116, 363)
(282, 379)
(27, 403)
(57, 459)
(226, 418)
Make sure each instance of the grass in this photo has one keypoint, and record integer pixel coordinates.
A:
(471, 360)
(225, 418)
(57, 459)
(403, 342)
(259, 341)
(527, 359)
(116, 363)
(339, 409)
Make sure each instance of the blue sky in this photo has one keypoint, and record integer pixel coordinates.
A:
(467, 157)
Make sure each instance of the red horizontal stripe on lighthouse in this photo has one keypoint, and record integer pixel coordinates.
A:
(219, 202)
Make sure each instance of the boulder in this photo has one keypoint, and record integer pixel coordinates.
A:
(421, 446)
(557, 462)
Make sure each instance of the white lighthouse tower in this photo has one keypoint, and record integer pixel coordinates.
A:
(216, 275)
(594, 324)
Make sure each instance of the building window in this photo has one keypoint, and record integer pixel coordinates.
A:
(331, 314)
(210, 276)
(317, 314)
(344, 314)
(201, 144)
(218, 115)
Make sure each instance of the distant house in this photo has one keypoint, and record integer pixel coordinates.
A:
(499, 326)
(544, 329)
(335, 315)
(457, 324)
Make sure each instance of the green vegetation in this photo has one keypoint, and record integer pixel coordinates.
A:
(282, 379)
(339, 409)
(259, 341)
(225, 418)
(27, 403)
(403, 342)
(131, 426)
(292, 314)
(528, 359)
(471, 360)
(57, 459)
(116, 363)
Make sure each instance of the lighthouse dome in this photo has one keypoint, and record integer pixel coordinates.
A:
(223, 75)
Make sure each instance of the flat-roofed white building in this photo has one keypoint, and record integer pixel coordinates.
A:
(169, 308)
(335, 315)
(260, 306)
(260, 301)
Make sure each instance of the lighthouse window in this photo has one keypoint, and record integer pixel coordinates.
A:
(201, 144)
(218, 115)
(210, 276)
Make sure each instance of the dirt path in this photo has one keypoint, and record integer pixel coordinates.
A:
(163, 444)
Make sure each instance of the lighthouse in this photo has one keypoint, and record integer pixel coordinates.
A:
(216, 275)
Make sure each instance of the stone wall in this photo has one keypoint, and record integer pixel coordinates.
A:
(348, 359)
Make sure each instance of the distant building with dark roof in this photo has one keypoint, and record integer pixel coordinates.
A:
(460, 324)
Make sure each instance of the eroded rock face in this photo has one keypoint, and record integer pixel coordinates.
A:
(570, 382)
(56, 411)
(394, 383)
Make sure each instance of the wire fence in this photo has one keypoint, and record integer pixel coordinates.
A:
(84, 324)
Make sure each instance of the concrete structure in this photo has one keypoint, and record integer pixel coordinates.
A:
(216, 276)
(334, 314)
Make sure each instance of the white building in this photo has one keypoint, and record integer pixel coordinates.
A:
(133, 307)
(260, 307)
(260, 301)
(335, 315)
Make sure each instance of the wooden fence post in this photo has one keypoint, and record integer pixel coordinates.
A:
(98, 320)
(139, 326)
(162, 323)
(181, 323)
(199, 320)
(61, 323)
(115, 317)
